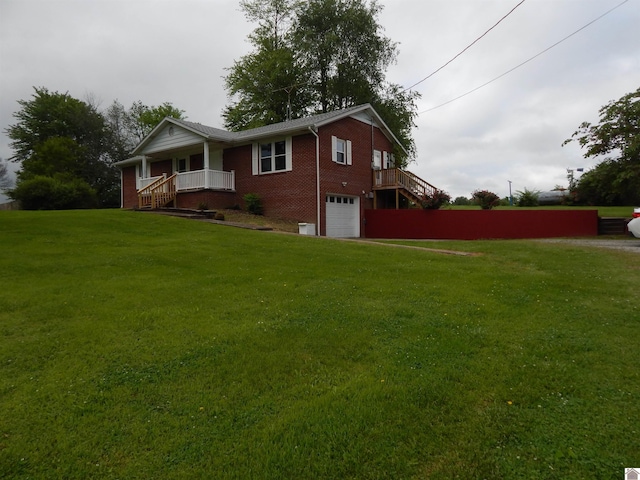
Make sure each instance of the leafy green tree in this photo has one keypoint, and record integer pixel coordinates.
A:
(62, 138)
(616, 179)
(147, 118)
(317, 56)
(343, 51)
(49, 115)
(273, 96)
(127, 128)
(56, 133)
(266, 86)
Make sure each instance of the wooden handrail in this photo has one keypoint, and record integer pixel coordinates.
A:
(158, 193)
(398, 178)
(152, 185)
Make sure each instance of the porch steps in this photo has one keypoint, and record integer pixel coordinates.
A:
(158, 194)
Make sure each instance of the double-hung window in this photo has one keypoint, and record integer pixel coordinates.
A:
(341, 151)
(272, 157)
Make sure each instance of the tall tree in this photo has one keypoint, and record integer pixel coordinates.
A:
(316, 56)
(127, 128)
(58, 134)
(49, 115)
(265, 86)
(343, 51)
(74, 146)
(616, 179)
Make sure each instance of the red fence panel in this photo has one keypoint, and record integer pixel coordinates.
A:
(479, 224)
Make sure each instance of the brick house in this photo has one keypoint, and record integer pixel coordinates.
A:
(323, 170)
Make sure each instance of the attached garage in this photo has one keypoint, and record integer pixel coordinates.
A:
(343, 216)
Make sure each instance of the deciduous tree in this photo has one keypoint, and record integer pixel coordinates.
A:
(317, 56)
(616, 179)
(59, 137)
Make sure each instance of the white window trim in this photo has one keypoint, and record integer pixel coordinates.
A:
(176, 163)
(334, 151)
(255, 156)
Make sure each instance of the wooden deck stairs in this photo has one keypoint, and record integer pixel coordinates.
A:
(158, 194)
(404, 183)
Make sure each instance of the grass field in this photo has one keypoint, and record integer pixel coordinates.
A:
(142, 346)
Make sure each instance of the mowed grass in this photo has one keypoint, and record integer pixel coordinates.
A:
(142, 346)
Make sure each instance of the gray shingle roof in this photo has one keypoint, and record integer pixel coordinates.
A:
(283, 128)
(269, 130)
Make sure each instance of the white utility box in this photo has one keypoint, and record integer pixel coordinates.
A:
(307, 228)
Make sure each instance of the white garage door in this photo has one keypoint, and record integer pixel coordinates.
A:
(343, 216)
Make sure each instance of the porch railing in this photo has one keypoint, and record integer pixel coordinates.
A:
(199, 179)
(144, 182)
(158, 191)
(397, 178)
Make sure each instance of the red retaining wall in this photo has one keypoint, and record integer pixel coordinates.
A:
(477, 224)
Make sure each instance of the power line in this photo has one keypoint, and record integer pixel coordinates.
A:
(466, 48)
(526, 61)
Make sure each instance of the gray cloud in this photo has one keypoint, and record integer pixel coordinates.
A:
(512, 129)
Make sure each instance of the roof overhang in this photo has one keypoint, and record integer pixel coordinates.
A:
(298, 126)
(129, 161)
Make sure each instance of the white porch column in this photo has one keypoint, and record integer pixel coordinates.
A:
(144, 167)
(206, 164)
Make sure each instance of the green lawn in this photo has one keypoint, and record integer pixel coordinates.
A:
(142, 346)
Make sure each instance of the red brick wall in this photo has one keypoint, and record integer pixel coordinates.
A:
(292, 195)
(358, 176)
(214, 200)
(129, 191)
(477, 224)
(289, 195)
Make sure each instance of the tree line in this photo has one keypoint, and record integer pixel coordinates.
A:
(67, 148)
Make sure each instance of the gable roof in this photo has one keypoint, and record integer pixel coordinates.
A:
(284, 128)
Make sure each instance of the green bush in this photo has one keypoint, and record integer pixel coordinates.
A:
(253, 203)
(486, 199)
(528, 198)
(54, 193)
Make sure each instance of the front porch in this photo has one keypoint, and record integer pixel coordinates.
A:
(160, 191)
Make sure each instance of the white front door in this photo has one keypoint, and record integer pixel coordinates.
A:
(343, 216)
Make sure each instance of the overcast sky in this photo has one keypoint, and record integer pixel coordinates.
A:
(177, 51)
